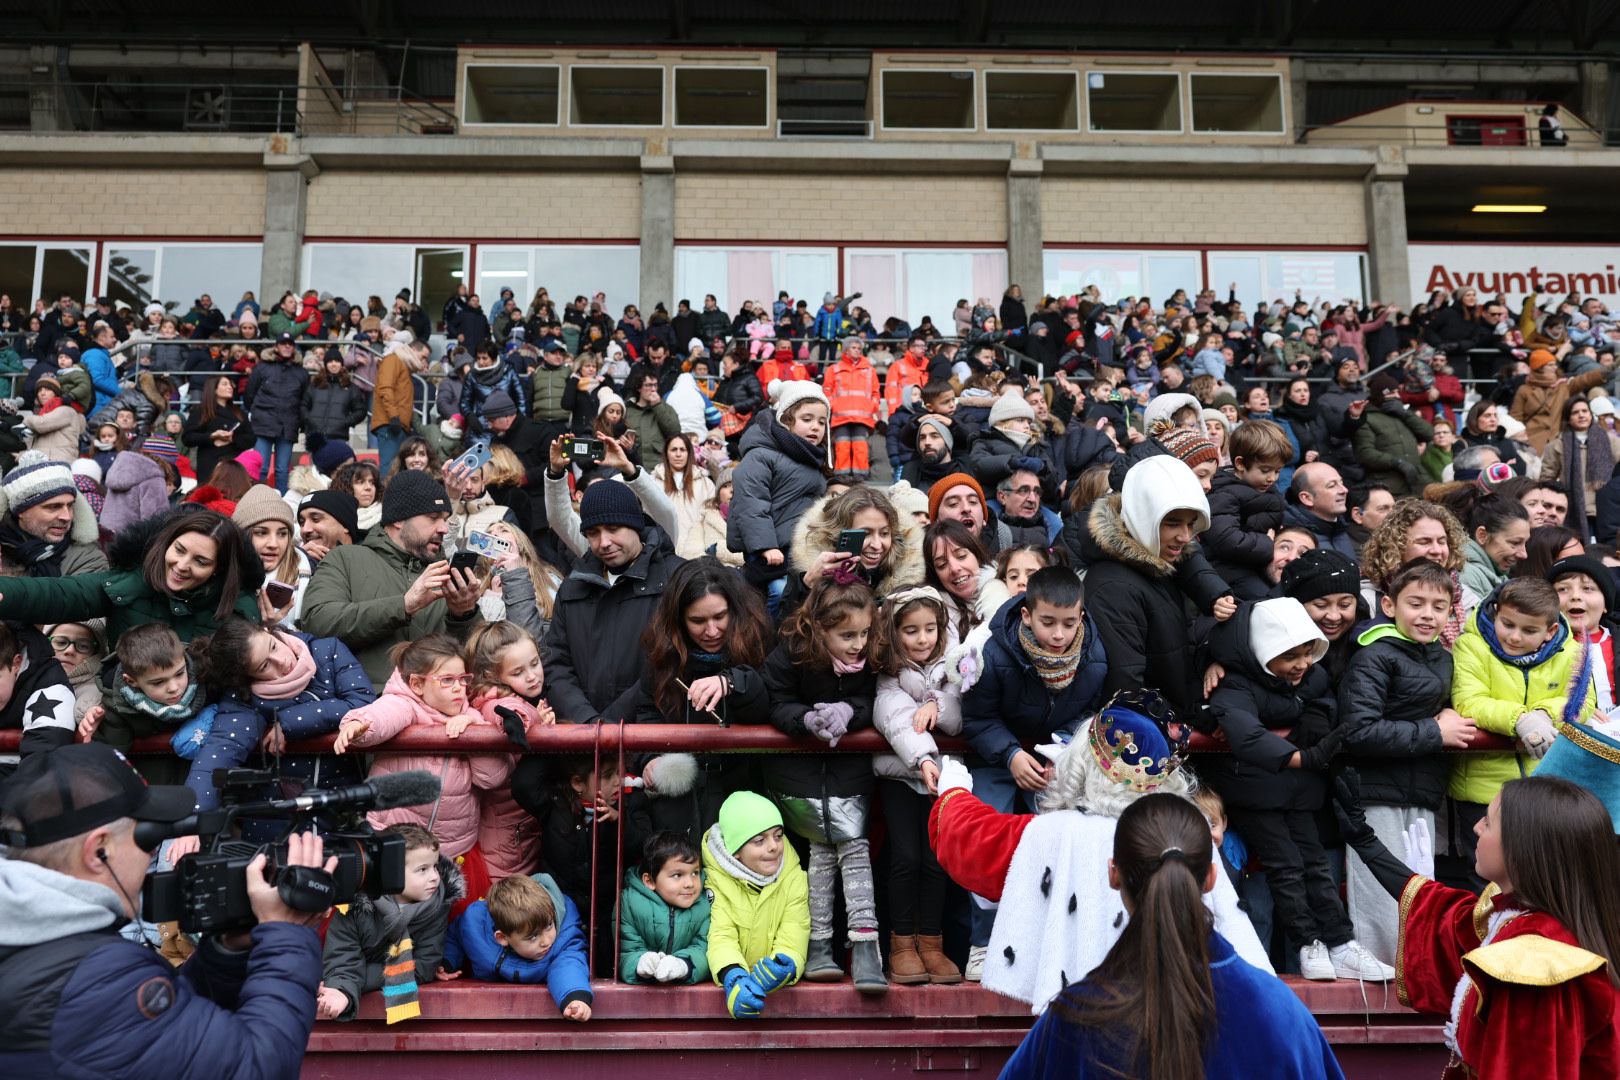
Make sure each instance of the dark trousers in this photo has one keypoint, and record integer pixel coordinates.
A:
(916, 881)
(1457, 869)
(1302, 889)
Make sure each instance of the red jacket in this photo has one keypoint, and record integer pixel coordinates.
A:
(851, 385)
(1451, 399)
(781, 366)
(898, 380)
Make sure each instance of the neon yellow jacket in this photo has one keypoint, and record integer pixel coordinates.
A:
(1494, 694)
(750, 920)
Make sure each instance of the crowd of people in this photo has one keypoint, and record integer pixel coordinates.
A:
(1294, 525)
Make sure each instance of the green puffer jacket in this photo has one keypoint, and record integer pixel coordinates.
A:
(357, 594)
(649, 924)
(122, 597)
(548, 384)
(653, 427)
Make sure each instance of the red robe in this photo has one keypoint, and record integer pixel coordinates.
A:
(1538, 1005)
(974, 842)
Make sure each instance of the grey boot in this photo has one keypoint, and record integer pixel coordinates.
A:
(819, 965)
(866, 963)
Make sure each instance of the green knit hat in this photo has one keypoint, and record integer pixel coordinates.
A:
(744, 816)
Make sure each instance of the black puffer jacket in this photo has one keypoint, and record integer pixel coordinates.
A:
(1387, 704)
(275, 397)
(1240, 522)
(779, 477)
(333, 409)
(992, 459)
(358, 939)
(1265, 720)
(796, 689)
(741, 391)
(1079, 448)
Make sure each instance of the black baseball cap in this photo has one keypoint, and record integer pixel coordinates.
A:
(72, 789)
(285, 339)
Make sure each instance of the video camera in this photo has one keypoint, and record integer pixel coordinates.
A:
(207, 891)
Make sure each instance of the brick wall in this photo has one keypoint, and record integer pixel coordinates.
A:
(1196, 212)
(832, 206)
(133, 201)
(399, 202)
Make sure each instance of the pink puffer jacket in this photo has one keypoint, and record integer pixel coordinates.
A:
(462, 777)
(508, 834)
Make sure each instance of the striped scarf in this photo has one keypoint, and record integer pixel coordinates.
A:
(1056, 669)
(399, 983)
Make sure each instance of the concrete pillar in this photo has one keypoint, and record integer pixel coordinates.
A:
(657, 232)
(1297, 84)
(286, 196)
(1597, 100)
(1025, 263)
(1388, 273)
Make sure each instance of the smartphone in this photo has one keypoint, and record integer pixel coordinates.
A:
(851, 541)
(487, 544)
(279, 593)
(465, 561)
(475, 457)
(585, 451)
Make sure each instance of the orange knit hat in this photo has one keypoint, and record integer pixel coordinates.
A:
(1540, 358)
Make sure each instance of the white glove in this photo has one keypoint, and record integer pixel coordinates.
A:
(1420, 848)
(1536, 732)
(1051, 751)
(954, 774)
(647, 966)
(671, 968)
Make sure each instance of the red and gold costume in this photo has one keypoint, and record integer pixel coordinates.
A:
(1525, 1000)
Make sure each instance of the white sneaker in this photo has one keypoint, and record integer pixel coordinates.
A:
(1352, 961)
(1314, 963)
(975, 965)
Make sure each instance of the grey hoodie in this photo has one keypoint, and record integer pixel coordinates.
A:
(39, 905)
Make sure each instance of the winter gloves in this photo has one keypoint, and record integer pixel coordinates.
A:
(829, 721)
(744, 999)
(774, 971)
(1409, 473)
(1319, 756)
(662, 967)
(954, 774)
(1536, 732)
(1026, 463)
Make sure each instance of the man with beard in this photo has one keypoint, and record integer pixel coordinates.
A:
(327, 520)
(935, 445)
(47, 529)
(396, 586)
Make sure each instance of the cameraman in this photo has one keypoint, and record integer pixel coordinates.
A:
(76, 998)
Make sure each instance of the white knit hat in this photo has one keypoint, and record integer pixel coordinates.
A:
(606, 397)
(86, 467)
(1010, 407)
(793, 392)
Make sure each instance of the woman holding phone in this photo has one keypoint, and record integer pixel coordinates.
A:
(856, 533)
(268, 522)
(216, 427)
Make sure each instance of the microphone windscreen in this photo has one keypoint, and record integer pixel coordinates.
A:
(405, 789)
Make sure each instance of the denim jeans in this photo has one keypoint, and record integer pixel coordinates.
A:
(994, 786)
(283, 449)
(389, 440)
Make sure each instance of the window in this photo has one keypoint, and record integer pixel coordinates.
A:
(131, 275)
(1031, 101)
(224, 272)
(928, 100)
(564, 271)
(616, 96)
(912, 284)
(722, 97)
(738, 274)
(1133, 101)
(511, 94)
(1276, 275)
(356, 271)
(1236, 103)
(1119, 273)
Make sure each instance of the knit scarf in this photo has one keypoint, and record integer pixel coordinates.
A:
(169, 715)
(296, 681)
(1057, 670)
(41, 556)
(1599, 467)
(399, 983)
(841, 668)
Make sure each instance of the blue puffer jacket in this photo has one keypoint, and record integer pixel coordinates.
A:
(340, 684)
(482, 382)
(471, 944)
(275, 398)
(1010, 705)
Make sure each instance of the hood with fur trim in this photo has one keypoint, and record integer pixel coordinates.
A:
(816, 532)
(1114, 541)
(127, 550)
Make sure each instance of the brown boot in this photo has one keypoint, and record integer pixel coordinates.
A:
(905, 966)
(935, 962)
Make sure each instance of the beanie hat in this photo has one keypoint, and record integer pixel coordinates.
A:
(161, 445)
(86, 467)
(499, 404)
(1188, 446)
(1010, 407)
(1540, 358)
(1382, 386)
(794, 393)
(936, 494)
(1223, 399)
(410, 493)
(337, 505)
(1593, 568)
(36, 479)
(1320, 572)
(608, 502)
(253, 462)
(941, 425)
(50, 381)
(259, 504)
(327, 454)
(1215, 416)
(743, 816)
(606, 397)
(907, 499)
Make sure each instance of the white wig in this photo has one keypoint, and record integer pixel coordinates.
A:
(1079, 782)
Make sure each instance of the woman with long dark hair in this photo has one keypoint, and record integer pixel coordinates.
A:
(216, 427)
(1581, 457)
(1172, 1000)
(1527, 972)
(706, 648)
